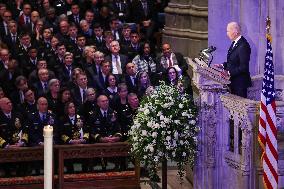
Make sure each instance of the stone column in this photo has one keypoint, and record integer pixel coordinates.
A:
(186, 26)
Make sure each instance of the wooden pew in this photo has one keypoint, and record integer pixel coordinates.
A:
(23, 154)
(122, 179)
(116, 179)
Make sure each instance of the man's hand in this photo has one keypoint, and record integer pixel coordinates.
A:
(219, 66)
(225, 74)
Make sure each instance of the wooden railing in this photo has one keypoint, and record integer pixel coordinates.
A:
(112, 179)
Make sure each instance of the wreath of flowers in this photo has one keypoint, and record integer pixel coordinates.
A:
(165, 128)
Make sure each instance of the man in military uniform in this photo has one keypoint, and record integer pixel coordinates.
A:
(37, 120)
(127, 115)
(29, 105)
(13, 134)
(103, 122)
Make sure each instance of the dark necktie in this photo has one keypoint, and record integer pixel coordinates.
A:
(27, 20)
(170, 62)
(84, 95)
(43, 117)
(9, 116)
(105, 114)
(45, 87)
(14, 39)
(231, 47)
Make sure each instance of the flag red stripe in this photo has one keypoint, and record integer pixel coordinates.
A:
(266, 181)
(272, 148)
(270, 122)
(272, 170)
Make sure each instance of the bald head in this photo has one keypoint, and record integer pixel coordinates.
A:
(233, 30)
(6, 105)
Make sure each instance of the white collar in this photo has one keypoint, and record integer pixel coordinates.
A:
(236, 40)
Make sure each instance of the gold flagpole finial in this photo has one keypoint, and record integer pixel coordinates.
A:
(268, 24)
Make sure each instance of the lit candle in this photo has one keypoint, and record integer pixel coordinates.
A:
(48, 137)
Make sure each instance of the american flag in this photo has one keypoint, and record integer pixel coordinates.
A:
(267, 135)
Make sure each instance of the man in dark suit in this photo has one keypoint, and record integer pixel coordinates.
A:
(75, 17)
(237, 65)
(79, 91)
(12, 39)
(130, 77)
(144, 14)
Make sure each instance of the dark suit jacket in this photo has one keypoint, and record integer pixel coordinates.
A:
(35, 126)
(131, 88)
(123, 60)
(138, 14)
(238, 65)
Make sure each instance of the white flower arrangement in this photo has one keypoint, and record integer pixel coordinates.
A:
(165, 127)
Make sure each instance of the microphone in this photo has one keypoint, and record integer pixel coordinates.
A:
(209, 49)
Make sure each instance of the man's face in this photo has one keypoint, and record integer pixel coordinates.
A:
(4, 55)
(61, 50)
(73, 31)
(75, 9)
(166, 50)
(7, 16)
(41, 64)
(85, 26)
(99, 59)
(54, 41)
(6, 105)
(231, 33)
(126, 32)
(30, 96)
(89, 17)
(134, 37)
(81, 42)
(114, 25)
(43, 75)
(42, 105)
(22, 85)
(114, 47)
(82, 81)
(106, 68)
(98, 32)
(26, 40)
(64, 26)
(103, 102)
(33, 53)
(130, 69)
(34, 16)
(27, 9)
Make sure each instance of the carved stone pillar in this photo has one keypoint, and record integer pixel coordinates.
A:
(186, 26)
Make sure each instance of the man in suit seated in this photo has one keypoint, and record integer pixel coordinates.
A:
(118, 61)
(169, 59)
(42, 85)
(237, 65)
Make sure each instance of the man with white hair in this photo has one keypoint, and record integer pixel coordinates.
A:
(238, 57)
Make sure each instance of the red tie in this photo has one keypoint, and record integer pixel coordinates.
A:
(170, 62)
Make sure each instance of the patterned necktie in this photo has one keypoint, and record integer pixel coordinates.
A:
(14, 39)
(118, 67)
